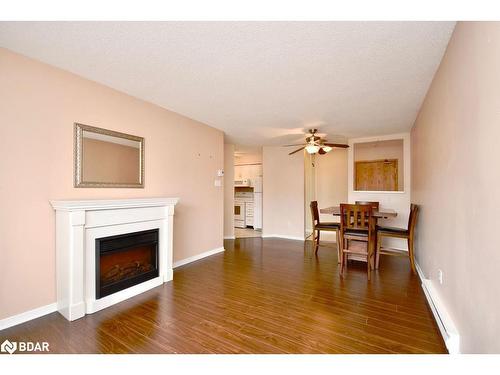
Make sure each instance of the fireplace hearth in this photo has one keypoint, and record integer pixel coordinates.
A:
(125, 260)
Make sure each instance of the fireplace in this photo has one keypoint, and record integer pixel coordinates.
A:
(125, 260)
(89, 238)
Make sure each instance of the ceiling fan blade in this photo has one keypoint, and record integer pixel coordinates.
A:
(297, 144)
(340, 145)
(293, 152)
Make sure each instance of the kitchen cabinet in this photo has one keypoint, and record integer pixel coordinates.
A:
(247, 171)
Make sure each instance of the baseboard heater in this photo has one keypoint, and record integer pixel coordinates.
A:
(446, 326)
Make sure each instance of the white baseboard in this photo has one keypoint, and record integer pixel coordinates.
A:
(283, 236)
(12, 321)
(194, 258)
(229, 237)
(446, 326)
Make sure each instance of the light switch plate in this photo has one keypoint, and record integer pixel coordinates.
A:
(440, 276)
(218, 183)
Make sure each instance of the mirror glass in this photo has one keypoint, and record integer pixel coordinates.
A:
(106, 158)
(378, 166)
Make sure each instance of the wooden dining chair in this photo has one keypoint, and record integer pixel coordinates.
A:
(375, 205)
(356, 223)
(318, 226)
(391, 232)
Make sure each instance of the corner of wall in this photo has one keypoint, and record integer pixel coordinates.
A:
(228, 191)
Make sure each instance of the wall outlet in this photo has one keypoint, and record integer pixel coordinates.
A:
(440, 276)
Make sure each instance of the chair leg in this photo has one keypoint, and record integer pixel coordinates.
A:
(317, 242)
(369, 268)
(377, 254)
(369, 257)
(342, 259)
(345, 245)
(411, 255)
(343, 256)
(339, 248)
(341, 266)
(345, 259)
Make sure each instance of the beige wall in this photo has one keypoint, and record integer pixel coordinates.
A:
(325, 182)
(455, 179)
(331, 184)
(294, 181)
(38, 106)
(395, 200)
(110, 162)
(248, 158)
(283, 193)
(228, 191)
(390, 149)
(309, 190)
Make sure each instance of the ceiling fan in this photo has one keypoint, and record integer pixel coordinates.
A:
(315, 144)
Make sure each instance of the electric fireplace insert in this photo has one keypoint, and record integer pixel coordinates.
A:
(125, 260)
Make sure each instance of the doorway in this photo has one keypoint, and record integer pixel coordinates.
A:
(248, 178)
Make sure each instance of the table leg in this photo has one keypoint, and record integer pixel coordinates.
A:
(374, 244)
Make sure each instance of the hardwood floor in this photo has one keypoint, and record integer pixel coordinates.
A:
(259, 296)
(247, 233)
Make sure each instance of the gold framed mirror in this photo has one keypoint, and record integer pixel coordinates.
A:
(107, 159)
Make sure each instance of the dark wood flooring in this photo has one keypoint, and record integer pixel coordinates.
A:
(259, 296)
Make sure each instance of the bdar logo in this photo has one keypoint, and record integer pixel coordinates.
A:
(24, 346)
(8, 347)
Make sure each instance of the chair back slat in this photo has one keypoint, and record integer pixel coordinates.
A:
(355, 216)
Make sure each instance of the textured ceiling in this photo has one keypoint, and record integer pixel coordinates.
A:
(259, 82)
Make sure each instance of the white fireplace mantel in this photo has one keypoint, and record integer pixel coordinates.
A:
(103, 204)
(80, 222)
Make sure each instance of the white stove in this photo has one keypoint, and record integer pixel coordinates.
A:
(243, 209)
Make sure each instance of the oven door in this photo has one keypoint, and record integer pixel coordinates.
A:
(239, 211)
(239, 215)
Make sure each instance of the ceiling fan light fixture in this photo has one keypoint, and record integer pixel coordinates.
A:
(312, 149)
(327, 148)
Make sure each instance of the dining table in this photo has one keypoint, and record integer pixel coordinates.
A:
(381, 213)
